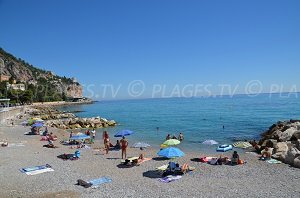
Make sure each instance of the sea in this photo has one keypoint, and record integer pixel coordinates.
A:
(225, 119)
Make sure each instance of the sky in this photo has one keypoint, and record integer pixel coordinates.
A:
(132, 49)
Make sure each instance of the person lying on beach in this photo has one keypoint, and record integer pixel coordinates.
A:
(222, 160)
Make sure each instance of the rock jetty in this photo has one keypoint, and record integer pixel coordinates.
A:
(284, 138)
(67, 120)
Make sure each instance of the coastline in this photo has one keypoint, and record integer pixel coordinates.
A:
(255, 178)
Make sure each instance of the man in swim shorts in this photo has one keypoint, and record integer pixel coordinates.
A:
(124, 144)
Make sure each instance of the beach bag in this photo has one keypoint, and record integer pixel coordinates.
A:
(83, 183)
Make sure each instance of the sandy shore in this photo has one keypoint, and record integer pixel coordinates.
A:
(254, 179)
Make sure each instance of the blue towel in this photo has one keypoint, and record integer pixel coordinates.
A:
(101, 180)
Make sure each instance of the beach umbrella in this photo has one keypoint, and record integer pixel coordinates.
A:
(140, 145)
(170, 152)
(171, 142)
(80, 137)
(210, 142)
(38, 124)
(123, 133)
(242, 145)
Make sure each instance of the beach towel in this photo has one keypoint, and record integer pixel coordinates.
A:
(170, 178)
(129, 159)
(163, 167)
(34, 170)
(242, 145)
(15, 145)
(97, 182)
(274, 161)
(39, 171)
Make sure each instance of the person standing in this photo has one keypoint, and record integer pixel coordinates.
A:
(180, 137)
(124, 144)
(106, 144)
(93, 136)
(168, 137)
(105, 137)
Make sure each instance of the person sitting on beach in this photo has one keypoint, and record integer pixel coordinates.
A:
(118, 145)
(235, 158)
(265, 154)
(168, 137)
(141, 157)
(50, 143)
(52, 137)
(255, 146)
(180, 137)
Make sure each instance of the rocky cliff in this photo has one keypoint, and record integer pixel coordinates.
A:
(23, 72)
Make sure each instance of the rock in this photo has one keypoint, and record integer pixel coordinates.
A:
(291, 155)
(78, 126)
(281, 147)
(287, 134)
(295, 136)
(72, 122)
(298, 144)
(297, 162)
(271, 143)
(80, 121)
(111, 123)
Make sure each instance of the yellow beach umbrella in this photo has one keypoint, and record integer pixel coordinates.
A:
(171, 142)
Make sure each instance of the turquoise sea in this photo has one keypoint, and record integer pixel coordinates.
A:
(199, 119)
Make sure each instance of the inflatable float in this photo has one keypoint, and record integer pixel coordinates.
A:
(224, 148)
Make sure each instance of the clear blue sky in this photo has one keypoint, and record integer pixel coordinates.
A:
(157, 41)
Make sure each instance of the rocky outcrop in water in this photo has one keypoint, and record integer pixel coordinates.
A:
(284, 137)
(65, 120)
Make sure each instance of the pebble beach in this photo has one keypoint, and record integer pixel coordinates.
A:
(253, 179)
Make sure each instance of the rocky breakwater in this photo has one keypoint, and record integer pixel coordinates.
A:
(66, 120)
(284, 137)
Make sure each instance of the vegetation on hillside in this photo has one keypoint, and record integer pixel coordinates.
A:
(47, 87)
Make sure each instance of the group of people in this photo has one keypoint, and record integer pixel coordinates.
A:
(180, 137)
(91, 133)
(121, 144)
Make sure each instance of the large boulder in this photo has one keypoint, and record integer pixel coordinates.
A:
(111, 123)
(291, 155)
(296, 136)
(287, 134)
(297, 162)
(280, 151)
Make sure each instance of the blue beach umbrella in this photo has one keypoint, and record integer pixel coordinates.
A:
(170, 152)
(80, 137)
(123, 133)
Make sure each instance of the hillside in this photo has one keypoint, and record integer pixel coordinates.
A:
(44, 85)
